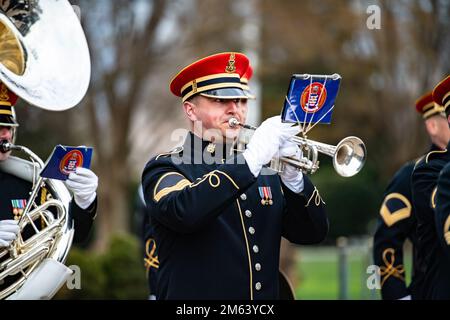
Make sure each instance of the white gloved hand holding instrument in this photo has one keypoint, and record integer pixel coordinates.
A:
(83, 184)
(9, 230)
(291, 176)
(266, 142)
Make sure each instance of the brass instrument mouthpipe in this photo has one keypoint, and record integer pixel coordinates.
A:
(6, 146)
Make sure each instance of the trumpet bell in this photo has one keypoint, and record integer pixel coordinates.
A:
(44, 56)
(350, 156)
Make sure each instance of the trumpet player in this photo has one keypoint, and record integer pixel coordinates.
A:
(15, 191)
(218, 215)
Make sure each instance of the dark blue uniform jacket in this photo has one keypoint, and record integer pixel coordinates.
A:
(218, 228)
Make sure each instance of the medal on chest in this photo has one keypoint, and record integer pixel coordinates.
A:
(266, 196)
(18, 205)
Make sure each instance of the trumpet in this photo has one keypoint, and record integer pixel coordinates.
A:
(349, 155)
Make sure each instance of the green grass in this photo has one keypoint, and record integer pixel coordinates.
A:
(318, 274)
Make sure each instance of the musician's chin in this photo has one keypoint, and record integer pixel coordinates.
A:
(4, 156)
(231, 133)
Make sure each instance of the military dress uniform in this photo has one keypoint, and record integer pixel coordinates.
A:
(397, 222)
(15, 192)
(430, 250)
(424, 181)
(144, 230)
(441, 287)
(217, 237)
(440, 201)
(141, 228)
(216, 227)
(151, 261)
(442, 204)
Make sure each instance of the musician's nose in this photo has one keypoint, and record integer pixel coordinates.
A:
(4, 131)
(232, 106)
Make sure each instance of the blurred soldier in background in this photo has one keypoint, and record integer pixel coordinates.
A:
(441, 203)
(397, 220)
(431, 262)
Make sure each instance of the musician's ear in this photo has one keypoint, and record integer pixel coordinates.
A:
(189, 109)
(430, 125)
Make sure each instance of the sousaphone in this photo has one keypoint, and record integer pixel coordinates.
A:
(44, 59)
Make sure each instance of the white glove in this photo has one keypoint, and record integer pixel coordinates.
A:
(266, 141)
(9, 229)
(406, 298)
(291, 177)
(83, 183)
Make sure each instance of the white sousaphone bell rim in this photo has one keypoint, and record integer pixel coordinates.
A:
(58, 67)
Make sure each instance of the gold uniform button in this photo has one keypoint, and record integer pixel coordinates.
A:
(248, 213)
(258, 267)
(243, 197)
(255, 249)
(258, 286)
(251, 230)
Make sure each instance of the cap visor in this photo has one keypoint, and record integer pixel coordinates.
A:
(250, 95)
(225, 93)
(8, 121)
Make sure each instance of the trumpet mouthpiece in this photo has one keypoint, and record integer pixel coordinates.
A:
(5, 146)
(233, 122)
